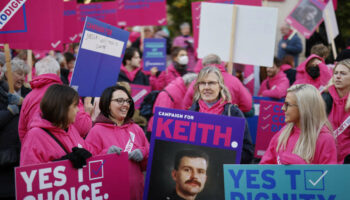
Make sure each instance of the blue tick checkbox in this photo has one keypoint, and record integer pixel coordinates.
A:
(96, 169)
(314, 179)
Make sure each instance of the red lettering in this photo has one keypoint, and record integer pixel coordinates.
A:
(8, 12)
(178, 129)
(193, 131)
(226, 136)
(163, 127)
(205, 128)
(14, 4)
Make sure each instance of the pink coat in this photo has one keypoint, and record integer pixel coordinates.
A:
(179, 41)
(337, 116)
(278, 86)
(240, 95)
(164, 78)
(31, 106)
(177, 90)
(325, 153)
(40, 147)
(302, 77)
(105, 134)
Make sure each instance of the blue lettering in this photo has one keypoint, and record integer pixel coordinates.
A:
(266, 177)
(236, 177)
(307, 196)
(251, 179)
(261, 195)
(276, 197)
(277, 109)
(275, 128)
(3, 17)
(278, 119)
(293, 174)
(238, 195)
(321, 197)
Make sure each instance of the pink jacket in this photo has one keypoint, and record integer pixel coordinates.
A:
(176, 90)
(164, 78)
(278, 86)
(240, 95)
(180, 41)
(31, 106)
(325, 153)
(40, 147)
(303, 77)
(337, 117)
(105, 134)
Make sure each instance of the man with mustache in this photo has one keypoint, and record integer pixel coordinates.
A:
(189, 174)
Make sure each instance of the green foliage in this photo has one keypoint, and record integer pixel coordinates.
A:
(343, 18)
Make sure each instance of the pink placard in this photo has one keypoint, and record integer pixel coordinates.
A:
(306, 16)
(31, 24)
(138, 93)
(271, 120)
(71, 29)
(141, 13)
(104, 177)
(196, 13)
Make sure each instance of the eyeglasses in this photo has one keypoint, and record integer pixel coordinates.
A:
(209, 83)
(121, 101)
(287, 104)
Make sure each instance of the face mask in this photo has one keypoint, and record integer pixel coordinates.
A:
(314, 72)
(183, 60)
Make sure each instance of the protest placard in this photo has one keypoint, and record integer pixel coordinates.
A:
(104, 177)
(71, 28)
(271, 120)
(138, 93)
(141, 13)
(99, 58)
(248, 182)
(306, 16)
(218, 137)
(154, 53)
(23, 26)
(196, 12)
(251, 46)
(331, 25)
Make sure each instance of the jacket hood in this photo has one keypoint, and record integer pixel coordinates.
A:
(130, 75)
(39, 122)
(45, 79)
(105, 121)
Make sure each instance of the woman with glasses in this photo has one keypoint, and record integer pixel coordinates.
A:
(115, 132)
(307, 137)
(338, 106)
(212, 96)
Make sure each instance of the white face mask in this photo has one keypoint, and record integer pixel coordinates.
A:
(183, 60)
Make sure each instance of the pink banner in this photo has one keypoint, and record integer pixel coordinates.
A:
(31, 24)
(196, 13)
(271, 120)
(71, 29)
(104, 177)
(306, 16)
(142, 13)
(138, 93)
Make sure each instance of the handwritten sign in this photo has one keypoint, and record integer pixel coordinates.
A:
(59, 180)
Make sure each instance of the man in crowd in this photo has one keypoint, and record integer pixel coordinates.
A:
(289, 44)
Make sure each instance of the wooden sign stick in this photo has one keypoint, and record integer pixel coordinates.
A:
(232, 42)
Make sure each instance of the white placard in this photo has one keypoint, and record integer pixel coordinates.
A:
(102, 44)
(255, 33)
(330, 22)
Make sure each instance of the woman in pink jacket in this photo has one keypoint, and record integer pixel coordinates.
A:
(177, 69)
(307, 138)
(115, 132)
(338, 105)
(52, 136)
(313, 71)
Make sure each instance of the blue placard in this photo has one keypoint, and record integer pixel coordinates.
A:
(281, 182)
(99, 58)
(154, 54)
(219, 137)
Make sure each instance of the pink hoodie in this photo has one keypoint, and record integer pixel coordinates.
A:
(303, 77)
(40, 147)
(217, 108)
(131, 75)
(177, 90)
(31, 106)
(337, 117)
(164, 78)
(278, 86)
(180, 41)
(105, 134)
(325, 153)
(240, 95)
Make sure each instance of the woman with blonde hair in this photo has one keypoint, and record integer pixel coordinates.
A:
(212, 96)
(307, 137)
(338, 107)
